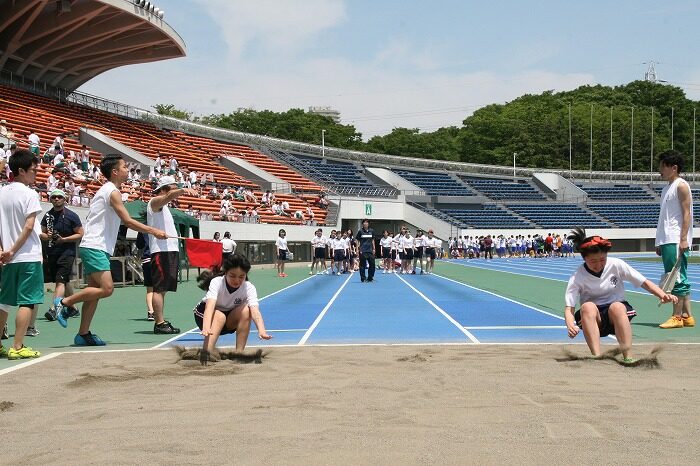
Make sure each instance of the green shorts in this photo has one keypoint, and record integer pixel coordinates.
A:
(94, 260)
(669, 255)
(22, 284)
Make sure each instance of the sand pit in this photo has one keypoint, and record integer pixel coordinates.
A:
(354, 405)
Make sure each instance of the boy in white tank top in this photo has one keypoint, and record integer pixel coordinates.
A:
(674, 234)
(107, 213)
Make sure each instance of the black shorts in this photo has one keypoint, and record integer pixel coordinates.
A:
(147, 277)
(319, 253)
(164, 268)
(606, 328)
(198, 312)
(339, 255)
(282, 255)
(58, 269)
(430, 252)
(386, 252)
(408, 254)
(419, 253)
(393, 254)
(402, 255)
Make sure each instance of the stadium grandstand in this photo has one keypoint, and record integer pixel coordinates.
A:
(234, 173)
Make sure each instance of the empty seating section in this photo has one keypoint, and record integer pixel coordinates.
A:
(558, 215)
(499, 189)
(490, 216)
(25, 111)
(435, 183)
(695, 192)
(341, 177)
(628, 215)
(617, 192)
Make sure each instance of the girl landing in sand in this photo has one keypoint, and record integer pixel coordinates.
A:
(230, 304)
(598, 286)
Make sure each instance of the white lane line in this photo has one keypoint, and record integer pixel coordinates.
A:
(515, 327)
(29, 363)
(323, 312)
(196, 329)
(466, 332)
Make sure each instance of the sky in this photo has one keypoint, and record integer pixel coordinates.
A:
(404, 63)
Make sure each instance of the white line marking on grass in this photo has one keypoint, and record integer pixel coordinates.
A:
(323, 313)
(441, 311)
(31, 362)
(196, 329)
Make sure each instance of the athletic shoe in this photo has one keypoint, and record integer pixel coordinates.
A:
(89, 339)
(311, 273)
(413, 272)
(31, 332)
(370, 279)
(673, 322)
(23, 353)
(284, 274)
(165, 328)
(689, 321)
(383, 271)
(60, 312)
(72, 312)
(3, 352)
(362, 280)
(50, 314)
(318, 273)
(150, 316)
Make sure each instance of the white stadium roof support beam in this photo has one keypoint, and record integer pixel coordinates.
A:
(64, 44)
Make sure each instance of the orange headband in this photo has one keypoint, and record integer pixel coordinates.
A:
(596, 241)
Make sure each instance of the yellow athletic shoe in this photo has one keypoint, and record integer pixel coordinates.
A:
(689, 321)
(673, 322)
(23, 353)
(3, 352)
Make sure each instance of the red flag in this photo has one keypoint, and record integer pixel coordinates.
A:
(203, 253)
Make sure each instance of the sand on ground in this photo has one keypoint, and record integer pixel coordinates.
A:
(354, 405)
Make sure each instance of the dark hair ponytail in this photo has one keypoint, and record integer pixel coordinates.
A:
(231, 262)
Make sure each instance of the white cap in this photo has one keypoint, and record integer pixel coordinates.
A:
(165, 181)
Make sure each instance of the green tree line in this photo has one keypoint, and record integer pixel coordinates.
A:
(535, 127)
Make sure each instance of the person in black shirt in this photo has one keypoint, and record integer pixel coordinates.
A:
(365, 237)
(61, 229)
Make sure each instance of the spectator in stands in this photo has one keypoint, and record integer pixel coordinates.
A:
(189, 210)
(285, 208)
(674, 234)
(213, 193)
(321, 201)
(310, 214)
(59, 161)
(173, 165)
(265, 199)
(299, 215)
(223, 213)
(34, 143)
(254, 217)
(94, 172)
(49, 155)
(3, 128)
(58, 144)
(158, 163)
(193, 177)
(84, 158)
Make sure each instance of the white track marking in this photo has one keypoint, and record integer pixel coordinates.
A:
(466, 332)
(323, 312)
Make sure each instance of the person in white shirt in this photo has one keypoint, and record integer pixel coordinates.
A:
(418, 246)
(337, 245)
(229, 306)
(59, 160)
(432, 247)
(406, 242)
(34, 143)
(58, 143)
(165, 253)
(51, 182)
(385, 245)
(281, 246)
(22, 281)
(318, 252)
(310, 215)
(173, 166)
(107, 213)
(674, 234)
(597, 285)
(228, 245)
(193, 177)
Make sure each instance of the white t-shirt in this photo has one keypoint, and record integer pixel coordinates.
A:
(162, 220)
(319, 241)
(33, 140)
(58, 159)
(281, 243)
(17, 202)
(405, 243)
(385, 242)
(229, 245)
(609, 288)
(337, 244)
(227, 301)
(668, 229)
(102, 223)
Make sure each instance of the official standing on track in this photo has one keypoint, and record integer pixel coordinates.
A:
(367, 250)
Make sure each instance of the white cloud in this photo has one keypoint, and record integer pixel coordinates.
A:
(279, 26)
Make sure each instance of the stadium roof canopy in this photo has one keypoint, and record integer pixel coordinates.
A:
(65, 43)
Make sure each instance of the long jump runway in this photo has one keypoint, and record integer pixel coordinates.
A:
(394, 309)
